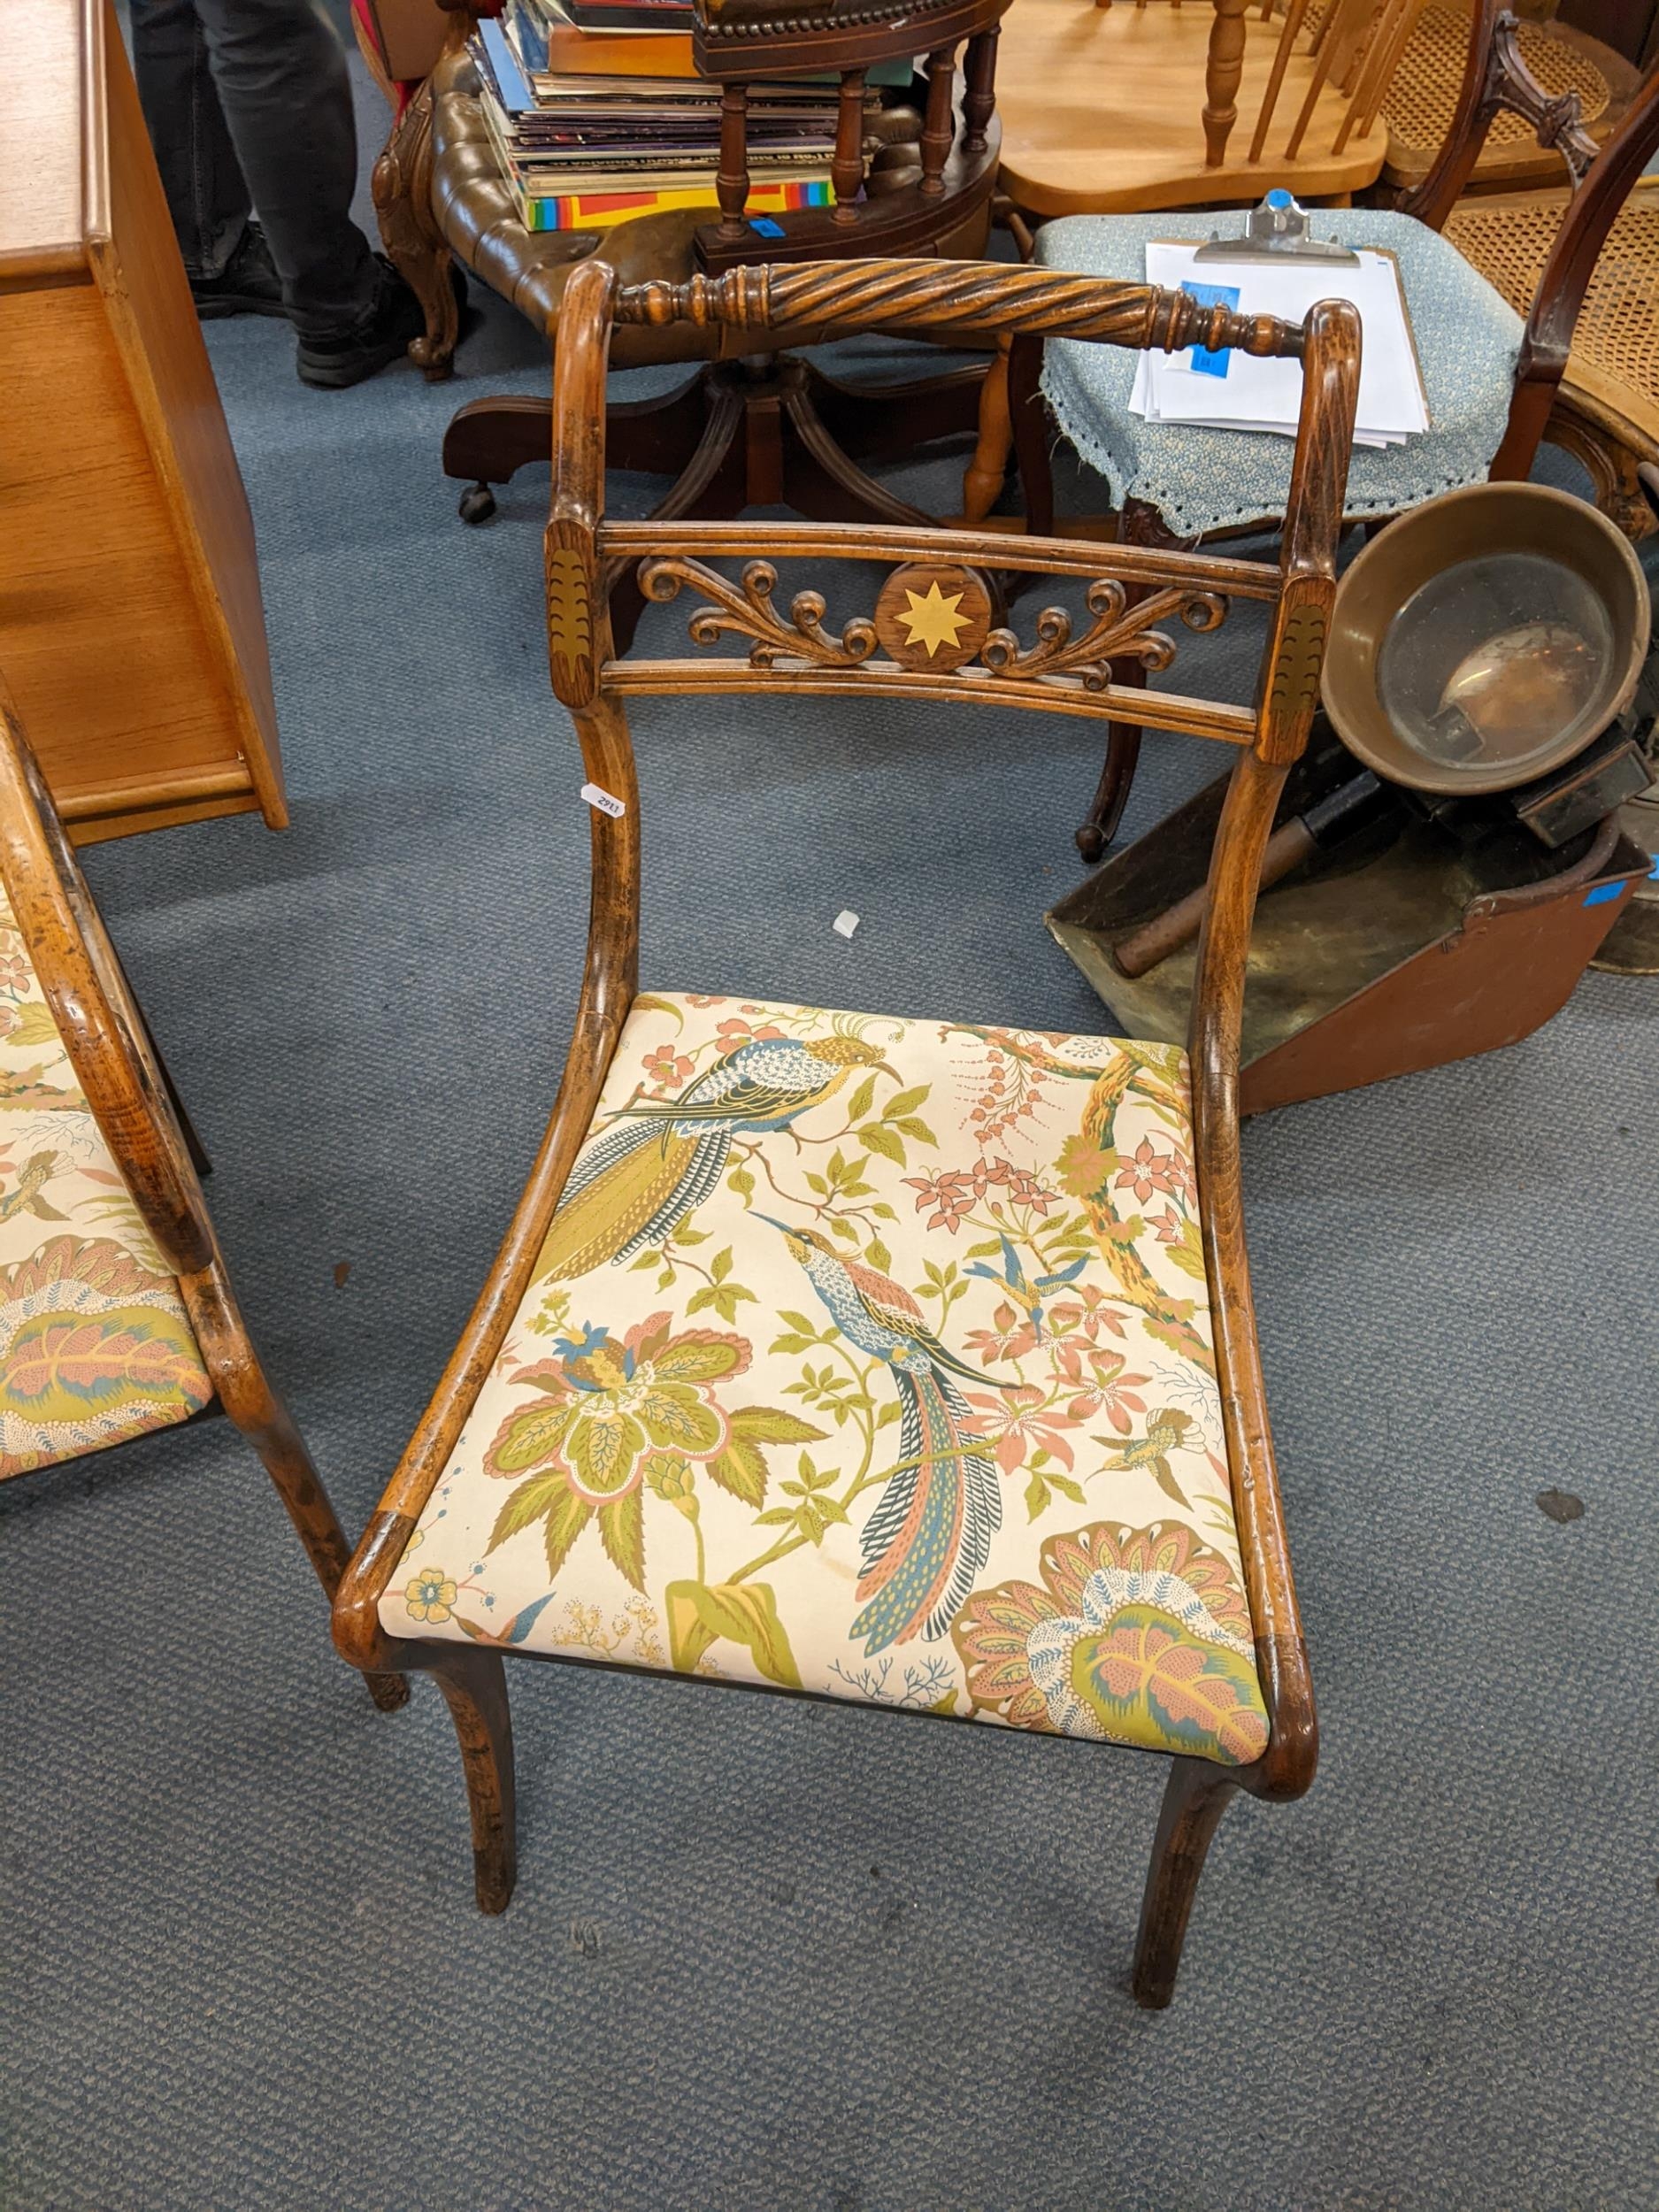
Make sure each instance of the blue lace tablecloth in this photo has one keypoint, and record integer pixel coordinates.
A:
(1468, 339)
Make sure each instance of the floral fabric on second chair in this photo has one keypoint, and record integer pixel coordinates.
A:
(870, 1358)
(95, 1343)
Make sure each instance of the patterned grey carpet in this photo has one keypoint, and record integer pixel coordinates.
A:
(766, 1955)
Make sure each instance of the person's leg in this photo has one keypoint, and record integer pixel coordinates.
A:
(280, 73)
(207, 193)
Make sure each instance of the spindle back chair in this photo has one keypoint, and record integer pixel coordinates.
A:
(1207, 1662)
(1355, 47)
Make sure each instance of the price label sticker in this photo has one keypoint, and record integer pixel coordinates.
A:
(605, 800)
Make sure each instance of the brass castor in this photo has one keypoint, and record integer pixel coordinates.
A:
(478, 505)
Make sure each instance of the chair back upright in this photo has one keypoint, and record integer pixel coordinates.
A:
(93, 1008)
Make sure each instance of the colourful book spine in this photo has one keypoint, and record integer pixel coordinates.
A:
(574, 210)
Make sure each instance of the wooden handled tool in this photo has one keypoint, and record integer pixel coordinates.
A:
(1286, 849)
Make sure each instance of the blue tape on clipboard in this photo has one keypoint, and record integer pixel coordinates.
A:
(1201, 361)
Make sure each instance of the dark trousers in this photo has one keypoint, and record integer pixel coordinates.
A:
(249, 106)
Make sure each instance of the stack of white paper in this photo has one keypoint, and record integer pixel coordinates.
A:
(1238, 391)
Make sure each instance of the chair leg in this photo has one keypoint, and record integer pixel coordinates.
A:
(245, 1392)
(1028, 420)
(283, 1453)
(1099, 826)
(1195, 1799)
(982, 486)
(402, 188)
(475, 1689)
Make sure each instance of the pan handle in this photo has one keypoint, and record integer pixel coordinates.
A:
(1584, 869)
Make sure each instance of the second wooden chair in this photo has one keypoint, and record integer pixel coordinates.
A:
(1491, 378)
(117, 1316)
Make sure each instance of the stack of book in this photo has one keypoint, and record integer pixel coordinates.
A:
(597, 113)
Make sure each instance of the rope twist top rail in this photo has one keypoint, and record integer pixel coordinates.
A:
(977, 298)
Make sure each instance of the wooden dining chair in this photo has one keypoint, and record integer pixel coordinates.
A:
(1157, 107)
(117, 1317)
(1493, 380)
(908, 1362)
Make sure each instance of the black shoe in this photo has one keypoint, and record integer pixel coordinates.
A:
(247, 285)
(382, 337)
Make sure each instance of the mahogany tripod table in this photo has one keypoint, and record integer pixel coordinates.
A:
(911, 177)
(765, 431)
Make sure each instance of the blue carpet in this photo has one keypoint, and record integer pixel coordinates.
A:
(768, 1954)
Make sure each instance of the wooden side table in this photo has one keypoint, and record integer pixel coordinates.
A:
(757, 425)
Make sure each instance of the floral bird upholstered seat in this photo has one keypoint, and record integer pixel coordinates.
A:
(95, 1343)
(870, 1358)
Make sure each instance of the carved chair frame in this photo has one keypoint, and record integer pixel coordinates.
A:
(798, 654)
(130, 1097)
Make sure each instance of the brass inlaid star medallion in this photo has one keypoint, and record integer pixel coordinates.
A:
(931, 618)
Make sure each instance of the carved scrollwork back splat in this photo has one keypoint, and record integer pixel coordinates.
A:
(1120, 632)
(934, 621)
(1557, 119)
(745, 610)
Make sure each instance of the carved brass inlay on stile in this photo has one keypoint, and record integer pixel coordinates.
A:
(569, 620)
(1296, 686)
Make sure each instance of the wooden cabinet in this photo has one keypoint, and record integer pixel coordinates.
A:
(131, 629)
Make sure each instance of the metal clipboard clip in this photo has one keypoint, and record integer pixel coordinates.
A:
(1277, 231)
